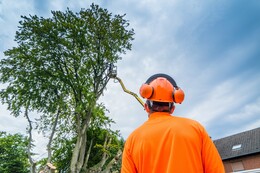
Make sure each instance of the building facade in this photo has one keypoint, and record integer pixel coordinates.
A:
(241, 152)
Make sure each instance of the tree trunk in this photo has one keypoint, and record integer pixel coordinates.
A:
(75, 155)
(87, 156)
(32, 163)
(82, 151)
(98, 167)
(79, 151)
(51, 136)
(112, 162)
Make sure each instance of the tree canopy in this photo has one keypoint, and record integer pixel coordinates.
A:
(60, 68)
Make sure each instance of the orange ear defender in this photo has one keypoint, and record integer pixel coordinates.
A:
(178, 96)
(162, 88)
(146, 91)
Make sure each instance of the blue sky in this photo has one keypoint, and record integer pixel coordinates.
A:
(211, 48)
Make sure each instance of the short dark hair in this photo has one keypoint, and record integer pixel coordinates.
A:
(155, 106)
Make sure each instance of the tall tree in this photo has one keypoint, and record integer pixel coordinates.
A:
(13, 153)
(62, 63)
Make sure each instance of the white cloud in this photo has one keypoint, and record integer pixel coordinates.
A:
(190, 40)
(228, 103)
(10, 123)
(246, 118)
(246, 112)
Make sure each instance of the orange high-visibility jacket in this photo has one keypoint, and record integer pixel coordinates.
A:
(170, 144)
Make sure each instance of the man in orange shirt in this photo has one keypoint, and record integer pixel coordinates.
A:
(165, 143)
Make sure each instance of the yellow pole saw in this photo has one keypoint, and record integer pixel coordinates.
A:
(113, 74)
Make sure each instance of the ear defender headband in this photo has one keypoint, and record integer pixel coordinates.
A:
(147, 90)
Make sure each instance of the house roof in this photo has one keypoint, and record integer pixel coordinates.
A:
(240, 144)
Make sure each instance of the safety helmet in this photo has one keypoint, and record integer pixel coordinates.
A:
(161, 88)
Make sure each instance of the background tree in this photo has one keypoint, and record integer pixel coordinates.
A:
(61, 67)
(103, 147)
(13, 153)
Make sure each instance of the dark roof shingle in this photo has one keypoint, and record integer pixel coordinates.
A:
(249, 141)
